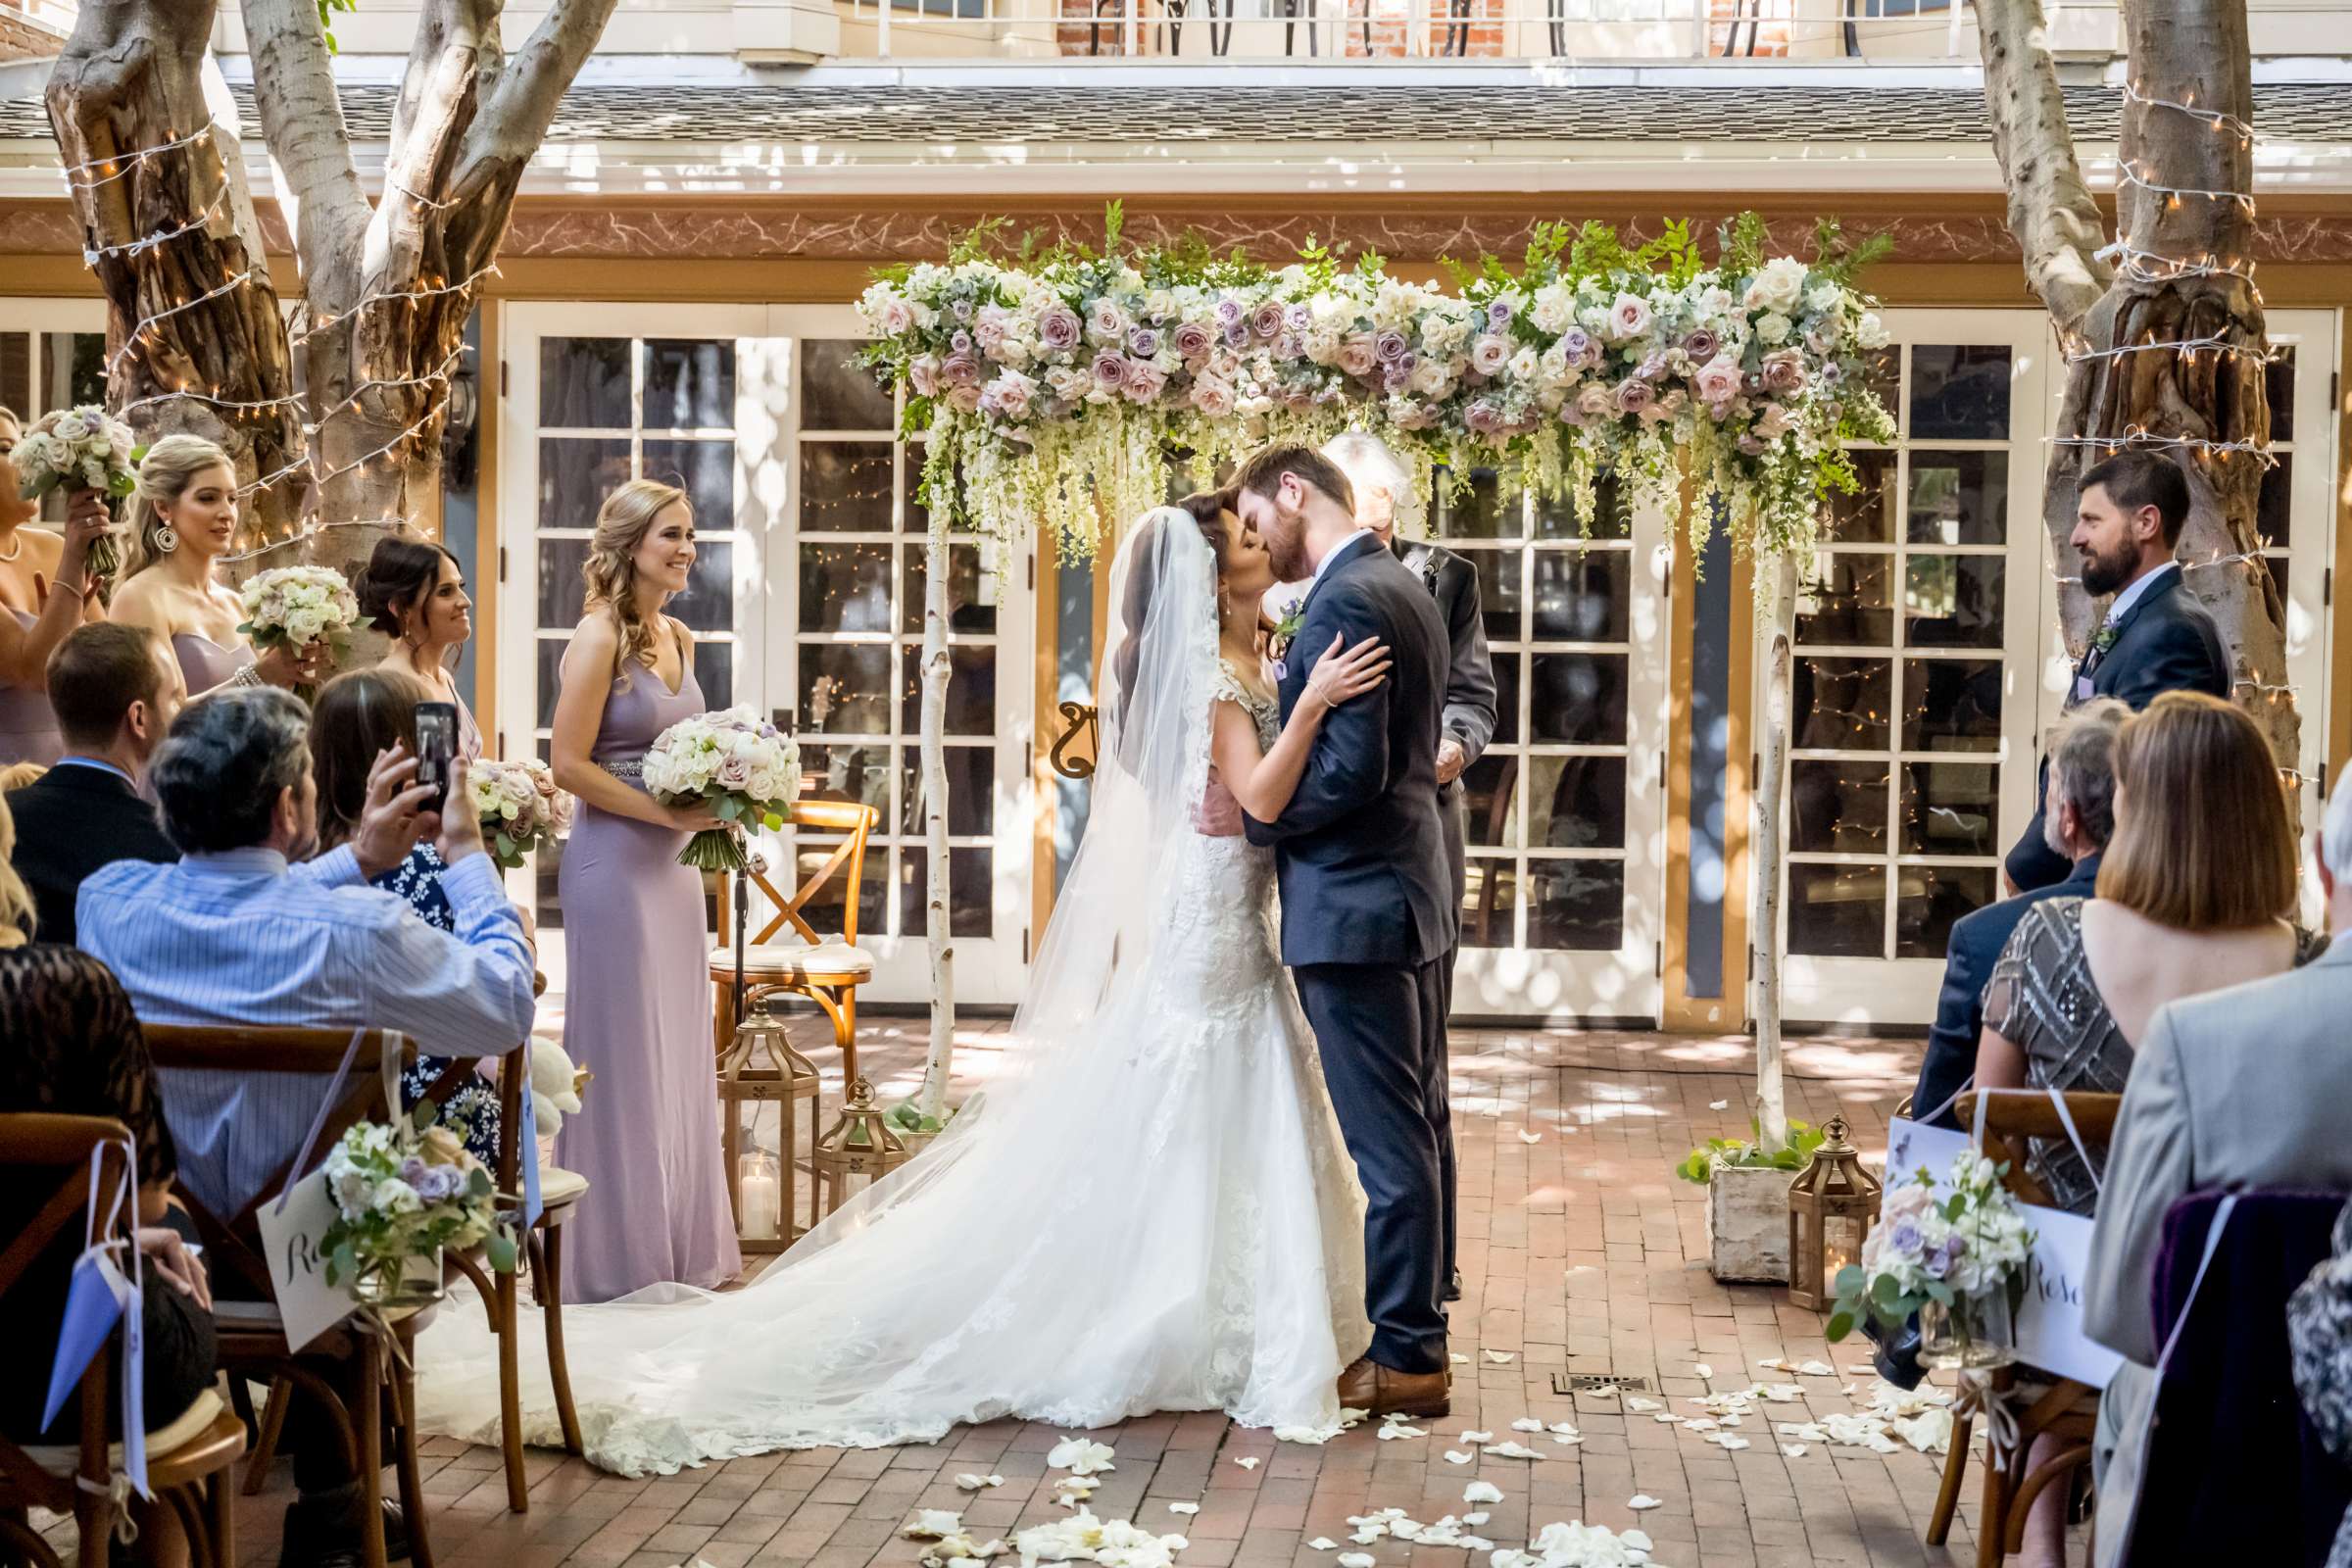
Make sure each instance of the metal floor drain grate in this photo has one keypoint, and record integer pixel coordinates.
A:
(1586, 1382)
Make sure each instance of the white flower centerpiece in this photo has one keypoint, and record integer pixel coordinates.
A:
(744, 768)
(519, 808)
(1955, 1253)
(295, 606)
(81, 449)
(402, 1194)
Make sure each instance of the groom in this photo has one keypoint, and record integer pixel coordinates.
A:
(1368, 918)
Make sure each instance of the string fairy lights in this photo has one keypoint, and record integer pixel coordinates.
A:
(2230, 124)
(143, 337)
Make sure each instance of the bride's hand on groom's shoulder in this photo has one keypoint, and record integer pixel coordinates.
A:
(1343, 673)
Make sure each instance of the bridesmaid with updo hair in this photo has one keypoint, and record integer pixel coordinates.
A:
(414, 592)
(187, 519)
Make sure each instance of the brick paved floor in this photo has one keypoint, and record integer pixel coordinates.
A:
(1581, 1254)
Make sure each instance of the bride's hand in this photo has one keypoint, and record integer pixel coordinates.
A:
(1345, 673)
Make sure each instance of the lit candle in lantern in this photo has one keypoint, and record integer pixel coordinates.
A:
(762, 1196)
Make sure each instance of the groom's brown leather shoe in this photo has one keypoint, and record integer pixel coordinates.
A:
(1368, 1386)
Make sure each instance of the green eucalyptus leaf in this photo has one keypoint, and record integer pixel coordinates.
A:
(1841, 1324)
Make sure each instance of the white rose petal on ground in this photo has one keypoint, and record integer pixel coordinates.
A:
(1478, 1436)
(1458, 1456)
(1322, 1544)
(970, 1483)
(1816, 1369)
(1794, 1451)
(1642, 1503)
(1458, 1361)
(1184, 1507)
(1248, 1461)
(1701, 1369)
(1397, 1429)
(1082, 1456)
(1482, 1491)
(1511, 1450)
(1475, 1518)
(1501, 1357)
(1667, 1418)
(1357, 1559)
(930, 1524)
(1527, 1423)
(1641, 1407)
(1719, 1105)
(1531, 1138)
(1772, 1363)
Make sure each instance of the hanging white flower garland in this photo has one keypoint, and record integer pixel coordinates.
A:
(1053, 393)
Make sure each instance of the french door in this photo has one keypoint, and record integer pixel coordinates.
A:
(1914, 703)
(806, 600)
(52, 356)
(1564, 907)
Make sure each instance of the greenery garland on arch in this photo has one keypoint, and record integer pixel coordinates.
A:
(1052, 385)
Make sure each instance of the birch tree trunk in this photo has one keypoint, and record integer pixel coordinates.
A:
(1772, 1107)
(193, 309)
(388, 288)
(937, 905)
(2185, 277)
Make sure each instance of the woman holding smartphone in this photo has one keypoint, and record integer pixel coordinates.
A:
(636, 954)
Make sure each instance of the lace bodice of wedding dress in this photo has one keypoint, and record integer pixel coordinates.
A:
(1161, 1216)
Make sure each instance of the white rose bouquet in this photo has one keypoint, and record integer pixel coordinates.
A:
(519, 808)
(81, 449)
(294, 607)
(744, 768)
(404, 1193)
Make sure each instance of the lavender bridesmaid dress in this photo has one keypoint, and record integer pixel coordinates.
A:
(27, 724)
(637, 1014)
(204, 663)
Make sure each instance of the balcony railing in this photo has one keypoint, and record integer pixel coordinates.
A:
(1298, 32)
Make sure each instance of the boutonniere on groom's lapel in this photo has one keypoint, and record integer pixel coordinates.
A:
(2104, 638)
(1286, 631)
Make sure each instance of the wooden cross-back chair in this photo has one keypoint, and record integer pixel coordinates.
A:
(190, 1457)
(828, 972)
(252, 1336)
(560, 1194)
(2069, 1412)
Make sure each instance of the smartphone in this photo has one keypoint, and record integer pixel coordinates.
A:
(436, 745)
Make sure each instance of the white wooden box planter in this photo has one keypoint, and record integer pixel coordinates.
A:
(1747, 1224)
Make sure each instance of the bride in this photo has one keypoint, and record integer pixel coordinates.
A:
(1154, 1212)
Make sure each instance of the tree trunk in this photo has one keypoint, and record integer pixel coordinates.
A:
(2185, 277)
(1771, 1109)
(937, 905)
(193, 310)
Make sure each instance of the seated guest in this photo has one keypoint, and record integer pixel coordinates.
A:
(2079, 821)
(2240, 1089)
(2193, 895)
(70, 1046)
(359, 716)
(114, 689)
(231, 935)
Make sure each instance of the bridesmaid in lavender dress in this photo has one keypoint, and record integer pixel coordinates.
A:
(636, 1003)
(42, 577)
(188, 510)
(414, 592)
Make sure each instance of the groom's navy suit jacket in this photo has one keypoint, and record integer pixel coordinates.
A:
(1362, 849)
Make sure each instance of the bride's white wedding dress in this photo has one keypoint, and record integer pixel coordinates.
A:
(1157, 1213)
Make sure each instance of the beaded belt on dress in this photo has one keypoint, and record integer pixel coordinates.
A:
(631, 768)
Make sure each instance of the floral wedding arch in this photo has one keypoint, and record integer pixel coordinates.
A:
(1053, 389)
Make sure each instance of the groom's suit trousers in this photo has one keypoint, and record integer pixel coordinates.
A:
(1381, 1031)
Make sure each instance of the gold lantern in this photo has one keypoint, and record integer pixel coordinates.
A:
(1831, 1206)
(857, 1151)
(757, 1067)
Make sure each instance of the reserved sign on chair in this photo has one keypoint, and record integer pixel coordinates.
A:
(292, 1234)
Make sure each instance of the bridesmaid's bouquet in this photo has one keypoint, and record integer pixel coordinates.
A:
(294, 607)
(744, 768)
(519, 808)
(81, 449)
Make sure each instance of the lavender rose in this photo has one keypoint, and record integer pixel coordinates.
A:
(1142, 383)
(1059, 328)
(1633, 394)
(1390, 347)
(960, 370)
(1482, 418)
(1229, 311)
(1701, 345)
(1579, 344)
(1358, 354)
(1717, 380)
(1193, 340)
(1784, 371)
(1143, 343)
(1499, 314)
(1110, 368)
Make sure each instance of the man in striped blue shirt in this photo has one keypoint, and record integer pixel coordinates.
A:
(237, 933)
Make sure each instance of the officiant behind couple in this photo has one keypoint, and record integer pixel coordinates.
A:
(1176, 1195)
